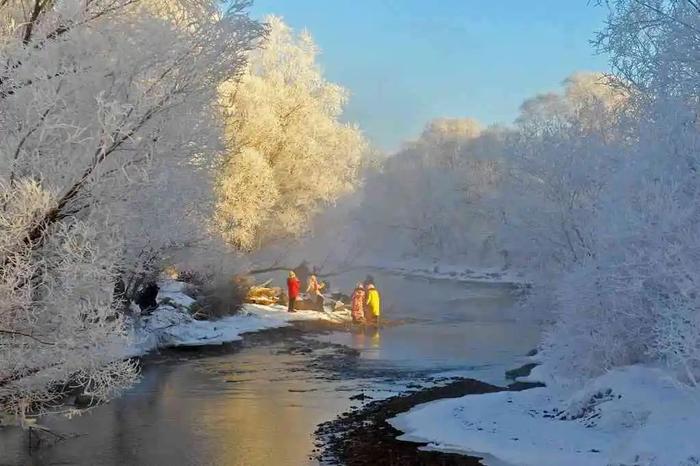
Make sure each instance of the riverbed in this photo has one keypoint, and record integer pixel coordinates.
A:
(259, 402)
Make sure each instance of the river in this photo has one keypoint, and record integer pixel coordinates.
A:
(259, 403)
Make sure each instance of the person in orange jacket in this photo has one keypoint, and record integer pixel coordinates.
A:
(358, 304)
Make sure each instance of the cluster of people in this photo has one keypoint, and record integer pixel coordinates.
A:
(314, 290)
(366, 303)
(365, 300)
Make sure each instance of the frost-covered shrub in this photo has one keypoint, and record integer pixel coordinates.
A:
(220, 299)
(634, 297)
(58, 315)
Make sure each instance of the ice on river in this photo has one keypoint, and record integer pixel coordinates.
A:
(631, 416)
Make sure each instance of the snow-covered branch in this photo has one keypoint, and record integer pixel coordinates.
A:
(108, 105)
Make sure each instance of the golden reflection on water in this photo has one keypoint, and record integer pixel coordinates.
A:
(257, 407)
(376, 338)
(367, 338)
(266, 420)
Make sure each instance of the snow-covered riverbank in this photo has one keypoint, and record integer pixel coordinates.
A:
(633, 416)
(172, 325)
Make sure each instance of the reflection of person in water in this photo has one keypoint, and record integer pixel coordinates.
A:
(358, 337)
(376, 338)
(367, 338)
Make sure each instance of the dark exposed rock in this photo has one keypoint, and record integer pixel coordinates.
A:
(522, 371)
(364, 437)
(520, 386)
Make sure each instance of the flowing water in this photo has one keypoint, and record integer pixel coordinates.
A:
(259, 403)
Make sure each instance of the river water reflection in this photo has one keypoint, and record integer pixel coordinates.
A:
(259, 405)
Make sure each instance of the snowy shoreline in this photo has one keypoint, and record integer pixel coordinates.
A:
(632, 416)
(172, 325)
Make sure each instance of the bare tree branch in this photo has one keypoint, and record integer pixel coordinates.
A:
(14, 332)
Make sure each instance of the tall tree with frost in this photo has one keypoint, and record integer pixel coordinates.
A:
(423, 201)
(446, 195)
(559, 162)
(95, 96)
(635, 299)
(289, 153)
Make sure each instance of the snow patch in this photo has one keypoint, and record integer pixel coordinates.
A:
(634, 416)
(539, 374)
(171, 324)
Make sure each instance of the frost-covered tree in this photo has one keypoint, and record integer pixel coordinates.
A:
(411, 211)
(591, 103)
(559, 161)
(634, 298)
(286, 137)
(101, 102)
(523, 196)
(424, 201)
(247, 192)
(59, 323)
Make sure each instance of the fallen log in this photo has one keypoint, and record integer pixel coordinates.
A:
(263, 294)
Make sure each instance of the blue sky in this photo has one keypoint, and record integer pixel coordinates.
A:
(408, 61)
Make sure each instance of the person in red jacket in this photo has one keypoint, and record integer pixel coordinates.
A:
(293, 285)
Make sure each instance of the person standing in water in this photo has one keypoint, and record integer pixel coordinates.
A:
(293, 290)
(373, 304)
(358, 304)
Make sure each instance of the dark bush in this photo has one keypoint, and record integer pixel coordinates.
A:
(221, 299)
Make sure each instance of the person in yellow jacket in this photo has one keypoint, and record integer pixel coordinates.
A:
(373, 304)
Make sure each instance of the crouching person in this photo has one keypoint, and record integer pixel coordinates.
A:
(314, 290)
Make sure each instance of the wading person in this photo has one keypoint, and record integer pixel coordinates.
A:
(314, 291)
(292, 290)
(373, 305)
(358, 304)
